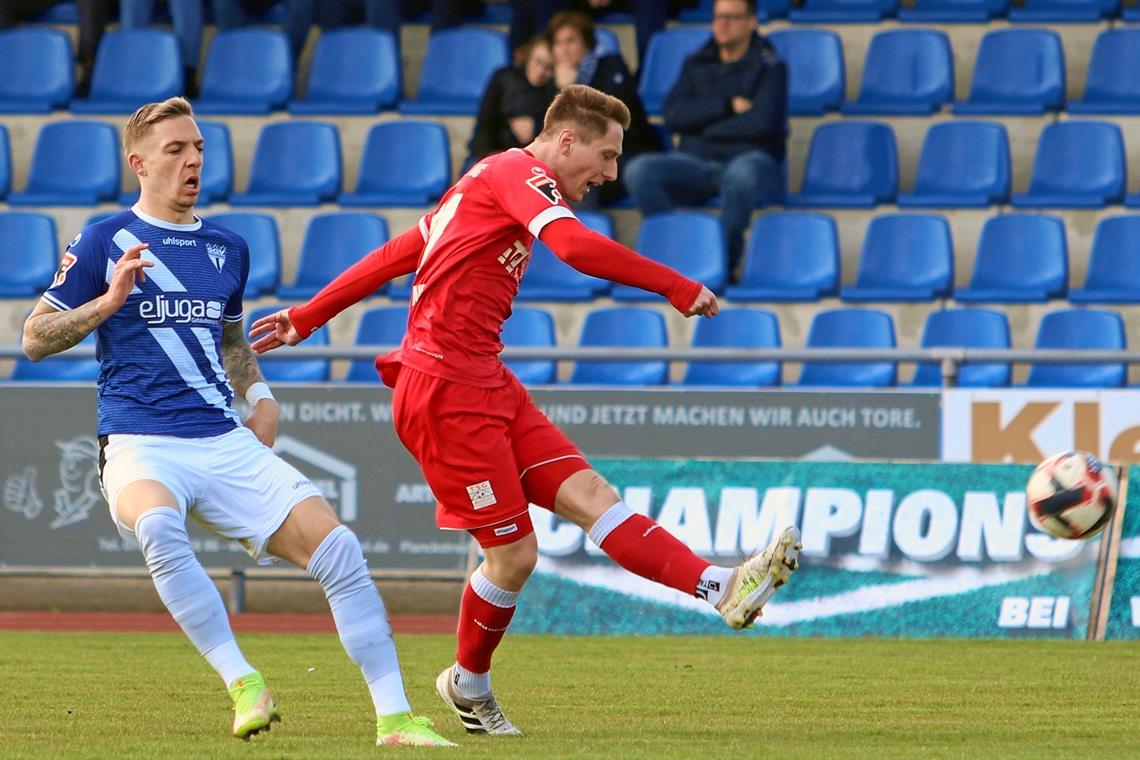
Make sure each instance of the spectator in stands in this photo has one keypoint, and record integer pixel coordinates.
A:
(515, 102)
(730, 107)
(577, 61)
(187, 18)
(93, 18)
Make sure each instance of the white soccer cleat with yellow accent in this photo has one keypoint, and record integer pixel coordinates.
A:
(753, 582)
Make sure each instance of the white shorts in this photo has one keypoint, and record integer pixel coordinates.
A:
(232, 483)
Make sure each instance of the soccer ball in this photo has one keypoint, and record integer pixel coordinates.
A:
(1071, 495)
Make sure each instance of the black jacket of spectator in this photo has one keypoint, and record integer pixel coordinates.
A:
(699, 106)
(508, 95)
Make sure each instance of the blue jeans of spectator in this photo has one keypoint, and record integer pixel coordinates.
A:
(187, 18)
(660, 182)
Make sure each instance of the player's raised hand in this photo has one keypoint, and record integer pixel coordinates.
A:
(706, 305)
(128, 270)
(273, 331)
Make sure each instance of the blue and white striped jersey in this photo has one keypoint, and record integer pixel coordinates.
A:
(160, 354)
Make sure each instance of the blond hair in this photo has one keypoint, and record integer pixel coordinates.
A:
(143, 120)
(586, 109)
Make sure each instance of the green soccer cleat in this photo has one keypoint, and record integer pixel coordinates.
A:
(254, 708)
(406, 730)
(754, 581)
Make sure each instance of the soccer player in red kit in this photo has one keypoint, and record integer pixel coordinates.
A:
(486, 450)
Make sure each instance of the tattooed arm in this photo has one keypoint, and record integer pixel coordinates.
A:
(241, 365)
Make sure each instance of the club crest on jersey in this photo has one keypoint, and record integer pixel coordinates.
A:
(545, 186)
(217, 254)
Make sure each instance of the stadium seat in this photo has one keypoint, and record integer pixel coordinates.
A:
(29, 254)
(607, 42)
(906, 257)
(248, 71)
(736, 328)
(217, 180)
(965, 328)
(1079, 164)
(59, 369)
(295, 163)
(259, 231)
(907, 72)
(1114, 263)
(792, 256)
(456, 67)
(816, 73)
(1063, 11)
(354, 71)
(964, 164)
(333, 243)
(37, 70)
(1022, 258)
(75, 163)
(622, 327)
(382, 326)
(1017, 71)
(1080, 329)
(690, 242)
(405, 163)
(702, 11)
(664, 57)
(952, 11)
(132, 67)
(531, 327)
(850, 164)
(1112, 84)
(277, 370)
(850, 328)
(548, 278)
(842, 11)
(5, 163)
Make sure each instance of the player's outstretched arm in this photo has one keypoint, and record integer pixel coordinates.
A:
(273, 331)
(241, 366)
(47, 331)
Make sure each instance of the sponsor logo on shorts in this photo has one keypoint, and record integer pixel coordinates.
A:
(506, 530)
(302, 483)
(481, 495)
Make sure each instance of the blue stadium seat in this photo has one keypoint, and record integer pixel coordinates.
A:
(792, 256)
(1022, 258)
(354, 71)
(59, 369)
(607, 42)
(247, 71)
(690, 242)
(456, 67)
(132, 67)
(217, 180)
(1017, 71)
(259, 231)
(850, 164)
(842, 11)
(333, 243)
(5, 163)
(37, 70)
(816, 73)
(702, 12)
(1063, 11)
(405, 163)
(1080, 329)
(1114, 263)
(548, 278)
(736, 328)
(964, 164)
(29, 255)
(75, 163)
(1112, 85)
(531, 327)
(850, 328)
(953, 11)
(295, 163)
(1079, 164)
(906, 71)
(277, 370)
(628, 327)
(906, 257)
(664, 58)
(965, 328)
(382, 326)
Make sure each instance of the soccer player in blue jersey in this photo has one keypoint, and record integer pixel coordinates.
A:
(162, 289)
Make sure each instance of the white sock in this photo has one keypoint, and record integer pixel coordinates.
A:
(187, 591)
(472, 685)
(338, 565)
(713, 584)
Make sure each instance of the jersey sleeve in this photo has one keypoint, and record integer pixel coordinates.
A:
(528, 193)
(235, 310)
(82, 274)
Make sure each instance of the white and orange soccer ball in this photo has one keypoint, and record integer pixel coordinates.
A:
(1071, 495)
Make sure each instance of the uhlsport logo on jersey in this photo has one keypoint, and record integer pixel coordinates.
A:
(180, 311)
(545, 186)
(217, 254)
(180, 242)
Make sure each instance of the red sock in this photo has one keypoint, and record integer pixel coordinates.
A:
(643, 547)
(482, 626)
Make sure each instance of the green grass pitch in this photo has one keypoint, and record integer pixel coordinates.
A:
(150, 696)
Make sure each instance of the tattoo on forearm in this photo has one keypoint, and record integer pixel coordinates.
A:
(58, 331)
(239, 360)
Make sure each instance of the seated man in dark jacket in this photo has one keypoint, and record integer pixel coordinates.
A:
(730, 107)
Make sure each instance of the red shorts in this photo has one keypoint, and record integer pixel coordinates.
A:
(487, 453)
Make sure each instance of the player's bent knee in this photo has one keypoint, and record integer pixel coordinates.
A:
(510, 565)
(338, 563)
(163, 538)
(308, 524)
(584, 497)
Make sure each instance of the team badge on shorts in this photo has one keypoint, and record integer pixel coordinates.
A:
(481, 495)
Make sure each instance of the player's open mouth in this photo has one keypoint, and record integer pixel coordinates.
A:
(191, 183)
